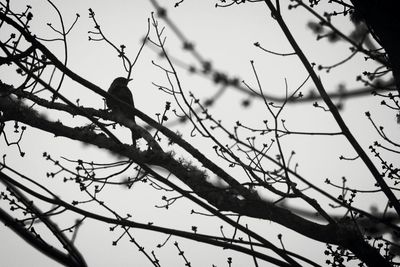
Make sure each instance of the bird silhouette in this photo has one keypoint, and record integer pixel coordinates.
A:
(119, 89)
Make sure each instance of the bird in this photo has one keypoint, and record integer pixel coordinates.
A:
(119, 89)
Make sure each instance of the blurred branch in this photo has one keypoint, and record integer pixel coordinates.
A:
(223, 78)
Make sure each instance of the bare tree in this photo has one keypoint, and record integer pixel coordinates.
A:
(229, 189)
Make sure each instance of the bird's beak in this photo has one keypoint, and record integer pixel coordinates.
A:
(130, 80)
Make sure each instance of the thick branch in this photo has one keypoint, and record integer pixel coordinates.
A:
(228, 199)
(171, 135)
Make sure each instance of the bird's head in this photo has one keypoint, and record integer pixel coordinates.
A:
(120, 81)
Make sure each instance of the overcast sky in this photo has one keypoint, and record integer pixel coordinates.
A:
(225, 36)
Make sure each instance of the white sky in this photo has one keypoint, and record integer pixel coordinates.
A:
(226, 37)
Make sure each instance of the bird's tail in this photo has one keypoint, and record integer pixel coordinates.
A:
(135, 137)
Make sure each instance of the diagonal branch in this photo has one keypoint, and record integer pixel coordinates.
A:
(225, 199)
(74, 258)
(334, 111)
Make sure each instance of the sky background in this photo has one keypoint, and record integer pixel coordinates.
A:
(225, 36)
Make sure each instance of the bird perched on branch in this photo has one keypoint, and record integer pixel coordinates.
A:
(119, 89)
